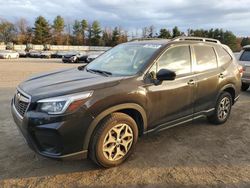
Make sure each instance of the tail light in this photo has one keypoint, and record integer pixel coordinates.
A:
(241, 70)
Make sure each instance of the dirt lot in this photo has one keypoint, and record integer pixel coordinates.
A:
(192, 155)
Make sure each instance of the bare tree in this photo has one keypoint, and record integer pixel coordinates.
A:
(22, 27)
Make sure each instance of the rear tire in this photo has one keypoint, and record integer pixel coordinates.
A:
(114, 140)
(222, 109)
(244, 87)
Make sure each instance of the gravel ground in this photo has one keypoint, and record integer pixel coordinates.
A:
(192, 155)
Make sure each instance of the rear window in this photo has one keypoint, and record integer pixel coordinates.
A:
(223, 56)
(205, 58)
(245, 55)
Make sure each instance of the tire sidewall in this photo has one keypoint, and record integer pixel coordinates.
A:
(108, 125)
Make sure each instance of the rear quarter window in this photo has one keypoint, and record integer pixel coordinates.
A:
(223, 56)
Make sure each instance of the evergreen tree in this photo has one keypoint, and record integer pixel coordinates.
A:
(84, 27)
(77, 32)
(115, 36)
(230, 39)
(165, 34)
(245, 41)
(176, 32)
(58, 26)
(42, 31)
(96, 33)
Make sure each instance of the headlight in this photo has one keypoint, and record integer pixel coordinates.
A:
(73, 58)
(58, 105)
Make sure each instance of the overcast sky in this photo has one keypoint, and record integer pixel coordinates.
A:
(134, 14)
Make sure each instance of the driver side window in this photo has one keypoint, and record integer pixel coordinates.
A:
(177, 59)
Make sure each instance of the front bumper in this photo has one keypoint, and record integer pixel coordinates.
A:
(68, 60)
(59, 137)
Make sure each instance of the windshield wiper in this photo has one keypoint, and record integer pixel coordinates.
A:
(106, 73)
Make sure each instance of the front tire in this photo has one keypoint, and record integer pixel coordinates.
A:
(244, 87)
(114, 140)
(222, 109)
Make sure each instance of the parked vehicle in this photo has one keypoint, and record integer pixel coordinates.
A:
(8, 54)
(46, 54)
(99, 110)
(59, 54)
(75, 57)
(244, 60)
(34, 54)
(22, 53)
(93, 55)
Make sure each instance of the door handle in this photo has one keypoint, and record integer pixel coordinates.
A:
(221, 75)
(191, 82)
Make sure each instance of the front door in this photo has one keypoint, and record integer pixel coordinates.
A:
(172, 100)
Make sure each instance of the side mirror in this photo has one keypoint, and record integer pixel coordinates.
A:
(165, 74)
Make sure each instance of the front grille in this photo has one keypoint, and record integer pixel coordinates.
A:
(21, 103)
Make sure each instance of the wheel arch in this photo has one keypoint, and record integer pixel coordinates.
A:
(230, 88)
(131, 109)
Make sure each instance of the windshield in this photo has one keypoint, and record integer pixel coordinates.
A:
(124, 60)
(245, 56)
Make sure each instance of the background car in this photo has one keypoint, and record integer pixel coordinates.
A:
(93, 55)
(244, 61)
(46, 54)
(34, 54)
(9, 54)
(59, 54)
(22, 53)
(75, 57)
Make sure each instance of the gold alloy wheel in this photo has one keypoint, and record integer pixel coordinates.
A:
(224, 108)
(117, 142)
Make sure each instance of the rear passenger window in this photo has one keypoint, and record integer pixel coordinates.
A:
(205, 58)
(223, 56)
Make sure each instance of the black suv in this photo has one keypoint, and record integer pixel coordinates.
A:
(99, 110)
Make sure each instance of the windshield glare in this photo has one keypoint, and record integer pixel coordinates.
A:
(124, 60)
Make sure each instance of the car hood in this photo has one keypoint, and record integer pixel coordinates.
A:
(66, 81)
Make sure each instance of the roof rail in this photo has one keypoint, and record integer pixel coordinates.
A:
(142, 39)
(246, 47)
(201, 39)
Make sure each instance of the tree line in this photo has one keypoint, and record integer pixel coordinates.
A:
(225, 37)
(80, 32)
(83, 32)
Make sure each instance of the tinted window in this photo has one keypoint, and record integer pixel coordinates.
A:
(245, 56)
(177, 59)
(223, 56)
(205, 58)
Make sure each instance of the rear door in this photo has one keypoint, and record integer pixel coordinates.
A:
(208, 76)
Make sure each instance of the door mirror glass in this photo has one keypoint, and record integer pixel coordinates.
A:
(165, 74)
